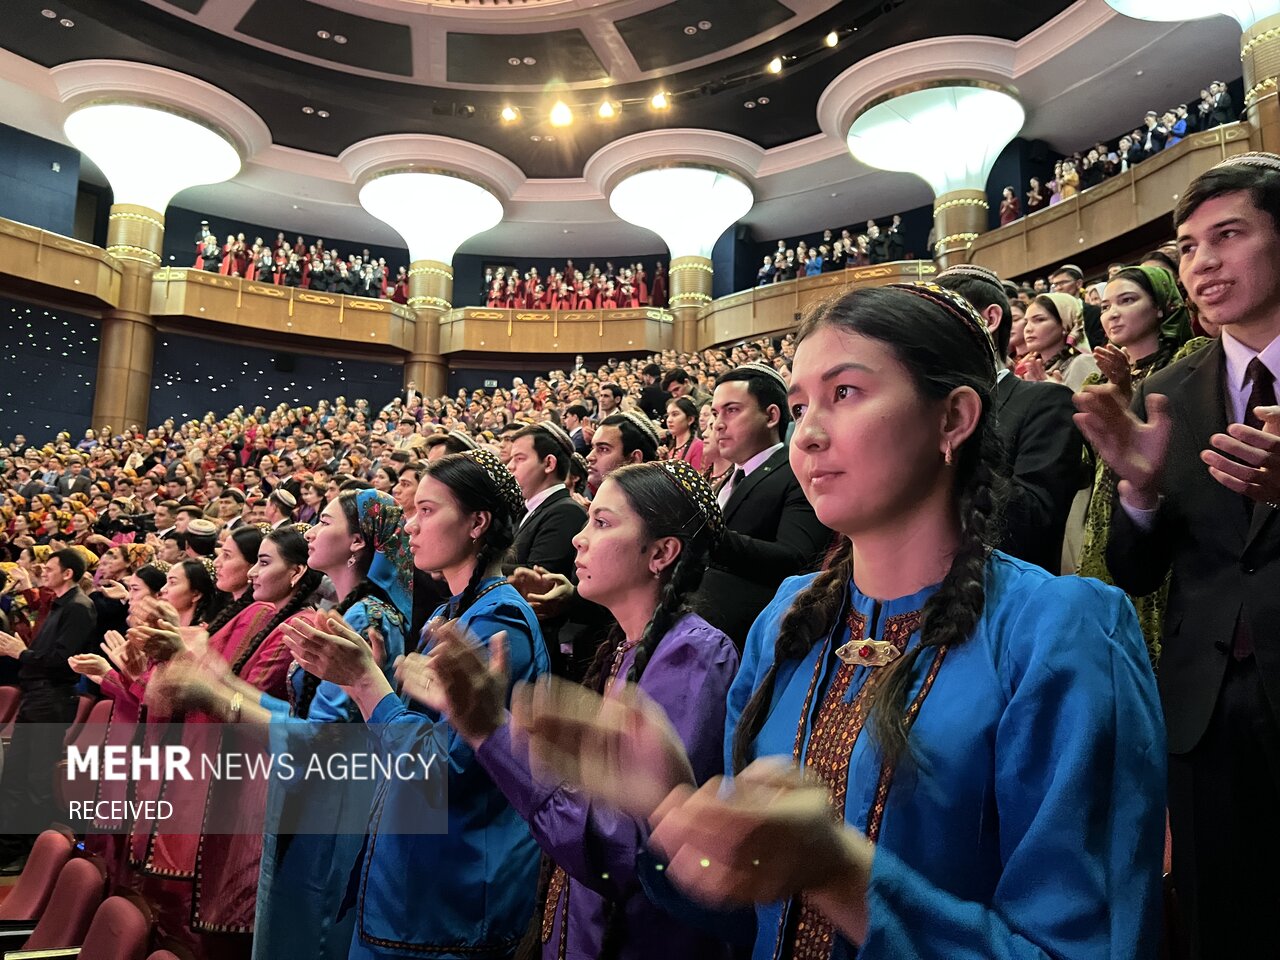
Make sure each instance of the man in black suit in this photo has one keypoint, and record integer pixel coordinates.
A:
(1069, 279)
(1198, 460)
(540, 456)
(1034, 422)
(771, 532)
(1221, 108)
(573, 417)
(653, 399)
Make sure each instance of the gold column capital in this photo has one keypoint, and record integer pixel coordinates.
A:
(430, 293)
(690, 291)
(135, 233)
(1260, 57)
(959, 217)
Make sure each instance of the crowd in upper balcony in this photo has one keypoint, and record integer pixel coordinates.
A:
(572, 288)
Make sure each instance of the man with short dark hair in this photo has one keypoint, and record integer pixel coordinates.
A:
(75, 480)
(1034, 420)
(771, 531)
(610, 399)
(1197, 457)
(574, 415)
(47, 707)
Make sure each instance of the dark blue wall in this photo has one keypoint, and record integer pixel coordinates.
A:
(194, 375)
(48, 364)
(30, 190)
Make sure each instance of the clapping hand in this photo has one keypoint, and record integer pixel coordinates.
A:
(455, 680)
(1255, 469)
(11, 646)
(547, 593)
(129, 660)
(1134, 450)
(328, 647)
(113, 589)
(89, 665)
(1114, 364)
(766, 836)
(622, 750)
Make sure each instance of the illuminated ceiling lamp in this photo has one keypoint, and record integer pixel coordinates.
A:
(148, 154)
(948, 134)
(689, 207)
(1248, 13)
(435, 212)
(561, 115)
(1259, 50)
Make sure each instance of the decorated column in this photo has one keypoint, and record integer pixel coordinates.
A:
(689, 207)
(148, 154)
(435, 212)
(948, 133)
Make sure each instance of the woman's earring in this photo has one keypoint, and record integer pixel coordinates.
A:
(351, 560)
(946, 455)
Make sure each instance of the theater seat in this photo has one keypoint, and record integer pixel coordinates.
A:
(85, 705)
(31, 893)
(120, 931)
(76, 896)
(91, 730)
(9, 697)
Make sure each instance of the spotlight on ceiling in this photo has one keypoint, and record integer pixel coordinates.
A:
(775, 65)
(510, 114)
(561, 115)
(607, 110)
(660, 100)
(832, 39)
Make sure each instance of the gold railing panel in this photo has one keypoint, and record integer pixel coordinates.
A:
(50, 267)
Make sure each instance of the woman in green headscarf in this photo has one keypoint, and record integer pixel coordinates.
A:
(1147, 327)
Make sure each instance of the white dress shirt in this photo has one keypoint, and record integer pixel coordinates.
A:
(747, 468)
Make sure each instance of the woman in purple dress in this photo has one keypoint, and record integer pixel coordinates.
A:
(649, 533)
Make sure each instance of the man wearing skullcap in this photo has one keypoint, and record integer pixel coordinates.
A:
(1198, 467)
(280, 507)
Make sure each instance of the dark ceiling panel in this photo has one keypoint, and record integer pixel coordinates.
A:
(293, 24)
(564, 56)
(657, 39)
(278, 86)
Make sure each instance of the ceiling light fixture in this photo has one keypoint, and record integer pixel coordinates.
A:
(690, 30)
(510, 114)
(339, 38)
(148, 154)
(689, 207)
(832, 38)
(67, 22)
(49, 14)
(607, 110)
(529, 61)
(660, 100)
(763, 101)
(750, 104)
(775, 65)
(514, 61)
(322, 114)
(323, 34)
(561, 115)
(704, 24)
(308, 110)
(435, 213)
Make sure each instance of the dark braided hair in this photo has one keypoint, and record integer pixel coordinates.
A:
(200, 582)
(365, 588)
(940, 353)
(470, 485)
(246, 540)
(649, 491)
(293, 550)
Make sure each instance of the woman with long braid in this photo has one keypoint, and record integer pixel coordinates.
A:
(466, 889)
(641, 555)
(213, 875)
(983, 741)
(360, 545)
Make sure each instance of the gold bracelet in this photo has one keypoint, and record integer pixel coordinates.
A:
(233, 712)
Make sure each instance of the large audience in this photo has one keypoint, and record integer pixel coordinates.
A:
(932, 547)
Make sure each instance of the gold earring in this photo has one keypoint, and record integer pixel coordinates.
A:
(946, 455)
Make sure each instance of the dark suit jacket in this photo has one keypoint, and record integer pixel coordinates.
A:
(1223, 554)
(1222, 110)
(771, 534)
(653, 401)
(546, 537)
(1043, 447)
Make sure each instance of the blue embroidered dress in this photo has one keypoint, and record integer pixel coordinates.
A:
(1030, 823)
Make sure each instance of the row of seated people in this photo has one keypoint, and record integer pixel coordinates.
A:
(308, 267)
(595, 288)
